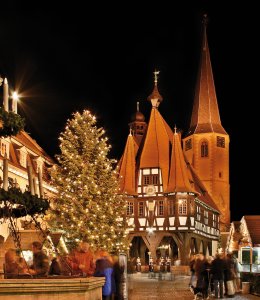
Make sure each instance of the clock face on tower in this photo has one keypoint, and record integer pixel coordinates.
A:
(150, 190)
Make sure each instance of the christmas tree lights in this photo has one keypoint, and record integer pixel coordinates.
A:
(88, 206)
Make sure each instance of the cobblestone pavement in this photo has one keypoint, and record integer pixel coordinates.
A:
(141, 287)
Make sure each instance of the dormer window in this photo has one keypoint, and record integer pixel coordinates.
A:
(4, 148)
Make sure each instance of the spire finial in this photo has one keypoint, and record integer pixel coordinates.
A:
(205, 20)
(137, 106)
(175, 129)
(156, 73)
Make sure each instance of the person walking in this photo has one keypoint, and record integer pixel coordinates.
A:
(218, 266)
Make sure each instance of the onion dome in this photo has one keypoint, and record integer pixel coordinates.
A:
(155, 97)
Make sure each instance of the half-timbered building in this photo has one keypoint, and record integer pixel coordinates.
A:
(172, 200)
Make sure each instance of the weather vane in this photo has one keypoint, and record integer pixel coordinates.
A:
(205, 19)
(156, 73)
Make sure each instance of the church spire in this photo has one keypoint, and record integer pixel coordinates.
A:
(205, 113)
(155, 97)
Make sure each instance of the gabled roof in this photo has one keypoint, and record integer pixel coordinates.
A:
(179, 178)
(205, 113)
(25, 139)
(253, 226)
(155, 152)
(127, 167)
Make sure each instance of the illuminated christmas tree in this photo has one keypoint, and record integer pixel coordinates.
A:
(87, 206)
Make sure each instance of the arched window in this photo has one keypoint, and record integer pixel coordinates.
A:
(204, 148)
(182, 206)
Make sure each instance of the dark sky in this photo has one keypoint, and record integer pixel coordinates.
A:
(102, 58)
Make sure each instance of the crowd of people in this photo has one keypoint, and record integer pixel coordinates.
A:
(80, 262)
(219, 275)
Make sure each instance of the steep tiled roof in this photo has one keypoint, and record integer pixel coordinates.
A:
(179, 177)
(155, 152)
(205, 114)
(127, 167)
(253, 226)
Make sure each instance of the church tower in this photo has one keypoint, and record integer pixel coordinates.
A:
(206, 146)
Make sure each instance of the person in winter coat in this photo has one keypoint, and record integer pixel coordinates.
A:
(40, 266)
(81, 260)
(104, 268)
(218, 266)
(55, 268)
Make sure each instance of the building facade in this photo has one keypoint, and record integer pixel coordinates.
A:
(25, 165)
(177, 196)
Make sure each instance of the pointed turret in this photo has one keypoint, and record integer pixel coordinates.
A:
(205, 114)
(155, 97)
(179, 177)
(127, 167)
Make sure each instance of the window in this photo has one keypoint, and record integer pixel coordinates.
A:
(161, 208)
(198, 213)
(130, 208)
(220, 141)
(182, 206)
(206, 217)
(204, 149)
(171, 209)
(141, 209)
(188, 145)
(151, 179)
(214, 220)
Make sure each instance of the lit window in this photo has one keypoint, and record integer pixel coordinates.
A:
(161, 208)
(182, 206)
(130, 208)
(220, 141)
(204, 149)
(141, 209)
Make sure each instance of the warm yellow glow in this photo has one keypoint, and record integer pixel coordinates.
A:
(15, 96)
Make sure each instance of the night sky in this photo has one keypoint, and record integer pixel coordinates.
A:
(102, 57)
